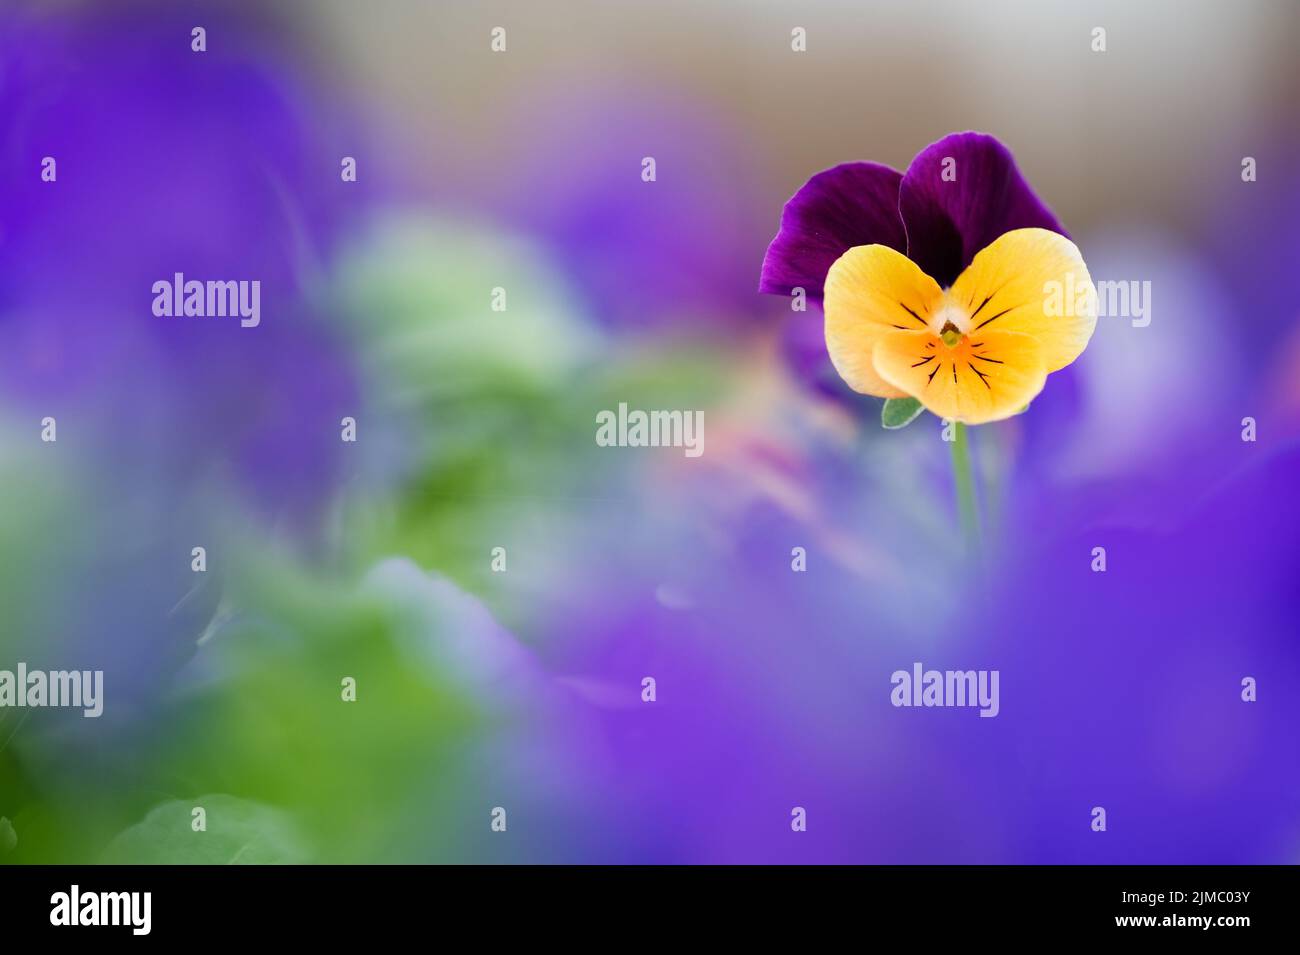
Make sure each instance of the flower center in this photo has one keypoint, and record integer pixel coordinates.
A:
(949, 321)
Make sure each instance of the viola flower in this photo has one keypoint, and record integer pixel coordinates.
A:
(950, 284)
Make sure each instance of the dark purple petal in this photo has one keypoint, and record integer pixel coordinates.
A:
(848, 205)
(948, 221)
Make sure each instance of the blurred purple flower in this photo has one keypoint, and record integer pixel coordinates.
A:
(674, 251)
(1120, 689)
(222, 165)
(1127, 684)
(1250, 230)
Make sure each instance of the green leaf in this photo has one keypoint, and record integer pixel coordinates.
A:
(237, 832)
(899, 412)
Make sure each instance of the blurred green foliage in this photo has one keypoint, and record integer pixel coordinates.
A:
(477, 429)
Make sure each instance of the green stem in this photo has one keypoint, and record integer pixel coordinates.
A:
(965, 488)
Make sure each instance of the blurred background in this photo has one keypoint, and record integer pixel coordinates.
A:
(498, 586)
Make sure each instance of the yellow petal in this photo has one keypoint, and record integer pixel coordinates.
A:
(1034, 282)
(984, 377)
(870, 291)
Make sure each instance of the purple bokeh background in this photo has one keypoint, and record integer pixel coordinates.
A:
(1119, 689)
